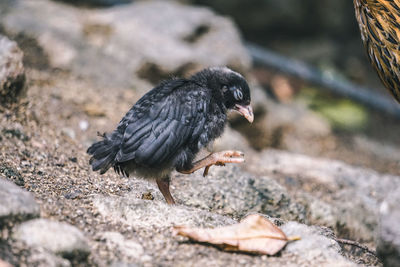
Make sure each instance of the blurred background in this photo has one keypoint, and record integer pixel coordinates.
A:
(323, 33)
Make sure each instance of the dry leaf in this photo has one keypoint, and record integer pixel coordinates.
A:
(4, 264)
(253, 234)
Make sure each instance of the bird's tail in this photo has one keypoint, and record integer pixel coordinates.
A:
(103, 153)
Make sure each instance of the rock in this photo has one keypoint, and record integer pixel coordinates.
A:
(57, 237)
(83, 125)
(100, 44)
(318, 211)
(16, 204)
(230, 191)
(147, 214)
(69, 132)
(389, 231)
(42, 257)
(12, 73)
(335, 194)
(152, 220)
(226, 190)
(123, 248)
(19, 254)
(314, 246)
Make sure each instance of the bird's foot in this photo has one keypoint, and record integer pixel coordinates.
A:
(223, 157)
(218, 159)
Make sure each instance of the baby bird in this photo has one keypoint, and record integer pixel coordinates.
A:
(169, 125)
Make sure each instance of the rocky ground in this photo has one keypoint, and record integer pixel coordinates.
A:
(84, 68)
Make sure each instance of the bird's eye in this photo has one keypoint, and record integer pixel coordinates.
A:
(224, 88)
(237, 94)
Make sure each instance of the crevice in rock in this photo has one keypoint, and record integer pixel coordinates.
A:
(154, 74)
(198, 32)
(12, 90)
(34, 55)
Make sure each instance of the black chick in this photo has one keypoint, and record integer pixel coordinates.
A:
(168, 126)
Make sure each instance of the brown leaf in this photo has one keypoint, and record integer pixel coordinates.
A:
(4, 264)
(253, 234)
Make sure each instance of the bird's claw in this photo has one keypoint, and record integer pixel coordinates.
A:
(220, 158)
(233, 153)
(205, 173)
(230, 156)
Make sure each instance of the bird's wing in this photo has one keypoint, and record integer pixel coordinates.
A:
(169, 123)
(156, 95)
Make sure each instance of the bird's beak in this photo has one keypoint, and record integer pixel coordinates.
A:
(246, 112)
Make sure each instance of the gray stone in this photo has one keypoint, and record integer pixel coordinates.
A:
(314, 246)
(57, 237)
(19, 254)
(134, 36)
(130, 250)
(16, 204)
(42, 257)
(12, 73)
(146, 214)
(389, 230)
(345, 198)
(226, 190)
(154, 219)
(230, 191)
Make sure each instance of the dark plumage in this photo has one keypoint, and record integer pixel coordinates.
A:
(168, 126)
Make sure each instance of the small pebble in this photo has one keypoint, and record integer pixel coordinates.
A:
(69, 132)
(83, 125)
(147, 196)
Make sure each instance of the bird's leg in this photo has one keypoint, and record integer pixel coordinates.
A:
(163, 185)
(217, 158)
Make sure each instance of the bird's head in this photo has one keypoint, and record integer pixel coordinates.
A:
(231, 88)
